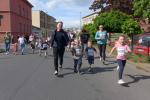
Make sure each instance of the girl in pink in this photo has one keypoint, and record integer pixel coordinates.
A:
(122, 49)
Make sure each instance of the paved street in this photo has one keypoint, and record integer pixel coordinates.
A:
(30, 77)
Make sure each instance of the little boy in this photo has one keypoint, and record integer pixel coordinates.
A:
(45, 47)
(90, 50)
(77, 55)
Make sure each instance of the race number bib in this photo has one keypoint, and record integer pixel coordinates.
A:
(121, 51)
(78, 51)
(102, 36)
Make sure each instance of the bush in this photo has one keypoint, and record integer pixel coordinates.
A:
(130, 26)
(111, 20)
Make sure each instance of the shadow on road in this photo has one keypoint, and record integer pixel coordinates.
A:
(96, 70)
(136, 78)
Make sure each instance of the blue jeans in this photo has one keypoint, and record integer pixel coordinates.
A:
(22, 47)
(91, 60)
(7, 47)
(77, 63)
(121, 64)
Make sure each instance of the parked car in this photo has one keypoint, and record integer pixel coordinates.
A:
(141, 46)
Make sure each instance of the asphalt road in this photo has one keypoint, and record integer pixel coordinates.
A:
(30, 77)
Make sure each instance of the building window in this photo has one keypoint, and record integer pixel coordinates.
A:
(20, 27)
(23, 12)
(24, 28)
(19, 9)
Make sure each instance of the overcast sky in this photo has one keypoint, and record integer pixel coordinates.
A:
(67, 11)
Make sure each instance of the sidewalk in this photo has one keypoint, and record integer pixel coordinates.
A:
(142, 66)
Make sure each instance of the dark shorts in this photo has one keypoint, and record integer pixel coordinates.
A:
(32, 46)
(44, 49)
(91, 59)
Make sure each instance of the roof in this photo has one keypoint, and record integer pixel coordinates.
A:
(26, 1)
(91, 14)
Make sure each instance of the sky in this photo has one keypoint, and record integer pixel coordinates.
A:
(67, 11)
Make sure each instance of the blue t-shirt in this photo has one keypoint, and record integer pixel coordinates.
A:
(102, 37)
(90, 51)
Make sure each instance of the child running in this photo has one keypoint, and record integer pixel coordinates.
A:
(122, 50)
(39, 45)
(15, 48)
(45, 47)
(77, 56)
(90, 50)
(32, 44)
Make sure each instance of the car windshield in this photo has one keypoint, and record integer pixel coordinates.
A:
(145, 40)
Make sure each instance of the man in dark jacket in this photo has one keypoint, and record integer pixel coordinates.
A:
(84, 37)
(60, 39)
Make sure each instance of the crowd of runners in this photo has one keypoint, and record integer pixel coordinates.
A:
(79, 46)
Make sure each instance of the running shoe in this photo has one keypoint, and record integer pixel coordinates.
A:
(121, 82)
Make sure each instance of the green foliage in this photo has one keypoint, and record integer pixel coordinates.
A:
(142, 8)
(108, 5)
(131, 26)
(111, 20)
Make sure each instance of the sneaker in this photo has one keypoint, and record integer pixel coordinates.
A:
(100, 59)
(121, 82)
(89, 69)
(75, 71)
(104, 62)
(60, 66)
(117, 67)
(22, 53)
(7, 53)
(56, 73)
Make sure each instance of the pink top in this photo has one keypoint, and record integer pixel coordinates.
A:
(122, 50)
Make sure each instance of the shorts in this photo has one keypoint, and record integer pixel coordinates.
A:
(91, 60)
(32, 46)
(44, 48)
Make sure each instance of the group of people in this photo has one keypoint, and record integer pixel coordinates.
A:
(41, 44)
(79, 47)
(83, 46)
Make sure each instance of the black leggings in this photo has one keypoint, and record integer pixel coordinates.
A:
(121, 64)
(102, 51)
(58, 53)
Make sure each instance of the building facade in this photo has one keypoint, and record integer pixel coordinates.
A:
(16, 17)
(46, 23)
(89, 18)
(36, 31)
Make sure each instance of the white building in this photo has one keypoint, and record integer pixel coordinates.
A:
(89, 18)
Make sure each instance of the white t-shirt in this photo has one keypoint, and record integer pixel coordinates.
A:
(31, 38)
(21, 40)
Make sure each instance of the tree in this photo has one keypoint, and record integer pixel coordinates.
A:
(111, 20)
(142, 8)
(131, 28)
(108, 5)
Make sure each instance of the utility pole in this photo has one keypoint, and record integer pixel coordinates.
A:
(80, 21)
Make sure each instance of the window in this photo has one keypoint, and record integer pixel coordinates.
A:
(19, 9)
(20, 27)
(23, 12)
(24, 28)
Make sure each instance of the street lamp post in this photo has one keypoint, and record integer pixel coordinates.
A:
(80, 21)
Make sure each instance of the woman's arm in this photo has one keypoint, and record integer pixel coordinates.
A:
(97, 36)
(112, 50)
